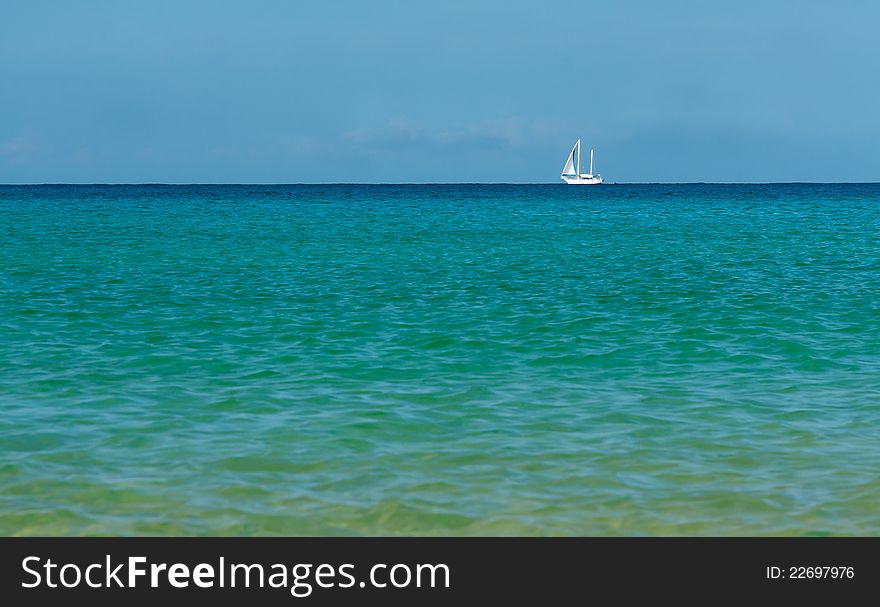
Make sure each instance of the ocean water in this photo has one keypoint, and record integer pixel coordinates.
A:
(461, 359)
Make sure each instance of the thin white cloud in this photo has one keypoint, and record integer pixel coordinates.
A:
(20, 146)
(404, 132)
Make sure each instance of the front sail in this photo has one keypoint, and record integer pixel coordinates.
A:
(569, 169)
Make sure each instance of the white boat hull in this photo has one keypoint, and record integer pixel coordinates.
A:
(582, 180)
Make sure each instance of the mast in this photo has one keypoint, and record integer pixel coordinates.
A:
(591, 162)
(578, 172)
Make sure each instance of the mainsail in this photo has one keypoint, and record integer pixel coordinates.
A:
(569, 168)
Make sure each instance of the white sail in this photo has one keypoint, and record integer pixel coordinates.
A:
(569, 168)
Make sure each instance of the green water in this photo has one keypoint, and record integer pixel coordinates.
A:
(623, 360)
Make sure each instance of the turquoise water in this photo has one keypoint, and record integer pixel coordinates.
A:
(621, 360)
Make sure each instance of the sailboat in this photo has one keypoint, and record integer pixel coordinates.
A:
(571, 172)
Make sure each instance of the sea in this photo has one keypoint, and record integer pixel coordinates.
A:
(632, 360)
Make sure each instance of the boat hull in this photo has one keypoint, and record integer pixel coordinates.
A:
(582, 180)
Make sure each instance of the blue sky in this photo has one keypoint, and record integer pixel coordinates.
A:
(392, 91)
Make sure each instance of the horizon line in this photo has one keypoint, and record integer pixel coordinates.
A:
(415, 183)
